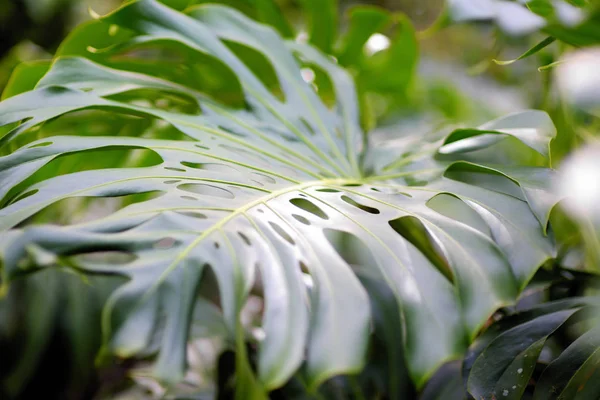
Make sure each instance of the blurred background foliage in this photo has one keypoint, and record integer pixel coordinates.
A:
(440, 60)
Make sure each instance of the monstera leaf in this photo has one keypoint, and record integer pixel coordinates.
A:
(251, 194)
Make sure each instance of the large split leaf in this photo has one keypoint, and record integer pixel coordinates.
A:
(250, 194)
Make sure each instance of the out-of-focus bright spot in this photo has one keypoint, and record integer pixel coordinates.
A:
(302, 37)
(578, 78)
(461, 10)
(512, 17)
(579, 183)
(568, 14)
(517, 20)
(308, 75)
(259, 334)
(377, 42)
(113, 30)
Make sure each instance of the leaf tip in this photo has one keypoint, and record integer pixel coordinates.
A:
(93, 13)
(501, 62)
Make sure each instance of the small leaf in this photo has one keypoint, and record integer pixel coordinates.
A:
(541, 45)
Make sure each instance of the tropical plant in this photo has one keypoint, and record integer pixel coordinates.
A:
(241, 181)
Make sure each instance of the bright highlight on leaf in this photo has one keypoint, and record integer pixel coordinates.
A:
(377, 42)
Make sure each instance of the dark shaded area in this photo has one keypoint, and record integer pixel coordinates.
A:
(17, 24)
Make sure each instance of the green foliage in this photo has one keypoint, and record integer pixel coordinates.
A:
(210, 163)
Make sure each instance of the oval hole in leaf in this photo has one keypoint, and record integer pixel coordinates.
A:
(301, 219)
(310, 207)
(206, 190)
(244, 238)
(175, 169)
(230, 131)
(211, 167)
(328, 190)
(192, 214)
(165, 243)
(308, 126)
(281, 232)
(107, 257)
(43, 144)
(306, 275)
(370, 210)
(161, 99)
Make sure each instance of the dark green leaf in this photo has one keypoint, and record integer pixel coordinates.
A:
(505, 366)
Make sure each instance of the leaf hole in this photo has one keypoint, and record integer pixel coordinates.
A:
(310, 207)
(301, 219)
(108, 257)
(161, 99)
(370, 210)
(210, 167)
(165, 243)
(244, 238)
(328, 190)
(206, 190)
(232, 131)
(193, 214)
(304, 268)
(307, 126)
(43, 144)
(281, 232)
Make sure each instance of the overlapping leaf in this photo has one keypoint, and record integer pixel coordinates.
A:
(503, 360)
(254, 193)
